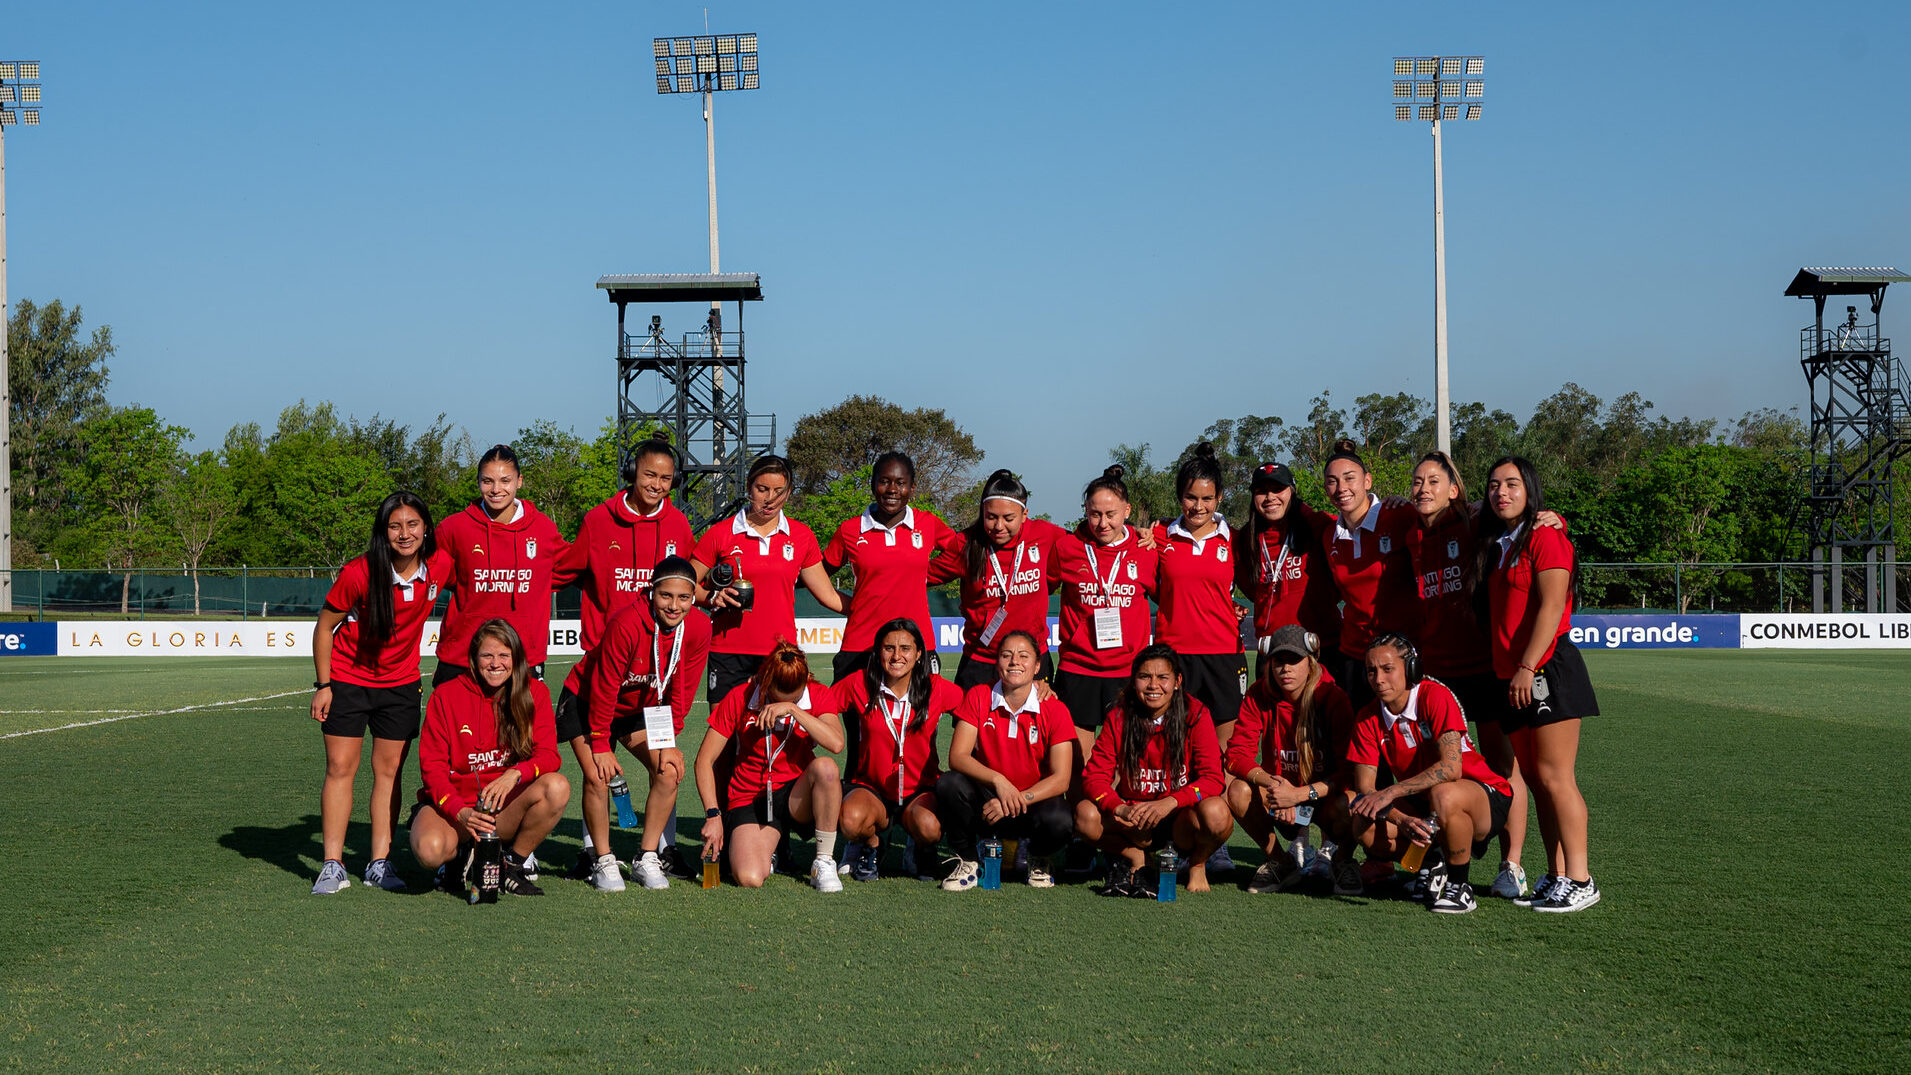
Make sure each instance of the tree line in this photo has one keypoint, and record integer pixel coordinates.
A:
(104, 486)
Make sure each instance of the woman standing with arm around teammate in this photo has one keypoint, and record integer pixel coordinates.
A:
(1278, 560)
(888, 547)
(503, 551)
(770, 554)
(1003, 559)
(1368, 558)
(1529, 571)
(1198, 618)
(365, 650)
(1106, 580)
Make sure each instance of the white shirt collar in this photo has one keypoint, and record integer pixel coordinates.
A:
(631, 506)
(1030, 704)
(1507, 539)
(756, 699)
(740, 525)
(1175, 529)
(418, 574)
(887, 693)
(869, 520)
(1368, 523)
(1411, 712)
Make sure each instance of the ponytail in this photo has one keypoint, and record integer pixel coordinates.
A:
(1110, 481)
(1001, 485)
(1199, 466)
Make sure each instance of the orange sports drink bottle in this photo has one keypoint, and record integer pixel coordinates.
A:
(709, 870)
(1410, 861)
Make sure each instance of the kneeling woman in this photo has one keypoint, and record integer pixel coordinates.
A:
(892, 708)
(1154, 777)
(1012, 757)
(488, 756)
(777, 783)
(1287, 753)
(1415, 727)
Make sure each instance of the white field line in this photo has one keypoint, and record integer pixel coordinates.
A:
(154, 713)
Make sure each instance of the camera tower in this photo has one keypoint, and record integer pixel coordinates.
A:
(1860, 425)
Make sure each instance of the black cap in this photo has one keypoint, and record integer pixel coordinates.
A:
(1293, 640)
(1273, 474)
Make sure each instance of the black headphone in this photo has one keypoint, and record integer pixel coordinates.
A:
(629, 470)
(1409, 653)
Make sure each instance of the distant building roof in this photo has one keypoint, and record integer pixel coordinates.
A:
(682, 287)
(1844, 280)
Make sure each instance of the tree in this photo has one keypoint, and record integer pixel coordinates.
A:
(1308, 444)
(1239, 445)
(309, 492)
(126, 458)
(56, 381)
(564, 474)
(200, 503)
(828, 444)
(1150, 488)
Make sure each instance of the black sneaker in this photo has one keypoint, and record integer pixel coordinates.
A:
(581, 869)
(514, 879)
(1121, 879)
(1431, 882)
(928, 866)
(1541, 892)
(675, 865)
(1569, 895)
(1456, 898)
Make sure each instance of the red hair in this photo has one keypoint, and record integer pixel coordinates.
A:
(785, 671)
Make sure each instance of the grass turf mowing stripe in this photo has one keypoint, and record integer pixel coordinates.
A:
(154, 713)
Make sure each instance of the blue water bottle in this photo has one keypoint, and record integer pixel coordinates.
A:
(1165, 866)
(620, 794)
(991, 863)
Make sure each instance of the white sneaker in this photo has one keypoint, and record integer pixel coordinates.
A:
(963, 877)
(331, 878)
(530, 867)
(823, 876)
(379, 874)
(649, 871)
(605, 875)
(1039, 876)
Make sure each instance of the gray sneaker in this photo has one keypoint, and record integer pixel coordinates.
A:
(1220, 863)
(1510, 884)
(331, 878)
(1347, 880)
(381, 875)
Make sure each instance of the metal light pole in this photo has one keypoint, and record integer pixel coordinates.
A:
(1447, 87)
(19, 85)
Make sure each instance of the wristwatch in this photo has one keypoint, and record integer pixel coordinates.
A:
(710, 812)
(317, 686)
(1312, 795)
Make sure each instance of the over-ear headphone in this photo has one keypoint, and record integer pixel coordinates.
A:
(650, 446)
(1409, 653)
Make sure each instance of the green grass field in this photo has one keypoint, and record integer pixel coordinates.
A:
(1747, 811)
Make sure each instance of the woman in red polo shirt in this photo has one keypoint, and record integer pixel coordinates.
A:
(888, 547)
(891, 712)
(1009, 768)
(1278, 560)
(1529, 570)
(774, 554)
(1367, 554)
(365, 650)
(1197, 615)
(1106, 579)
(489, 760)
(777, 784)
(1154, 778)
(1004, 560)
(503, 551)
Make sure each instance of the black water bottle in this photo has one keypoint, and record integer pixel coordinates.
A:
(490, 862)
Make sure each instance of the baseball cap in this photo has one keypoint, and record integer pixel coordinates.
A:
(1273, 474)
(1293, 640)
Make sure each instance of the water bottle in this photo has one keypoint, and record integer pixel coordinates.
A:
(1165, 866)
(490, 858)
(710, 879)
(620, 794)
(1416, 853)
(1303, 819)
(991, 863)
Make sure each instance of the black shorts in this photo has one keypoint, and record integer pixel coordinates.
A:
(851, 662)
(974, 673)
(894, 809)
(574, 718)
(1568, 689)
(777, 814)
(1088, 697)
(1482, 697)
(447, 672)
(1218, 679)
(728, 671)
(390, 712)
(1499, 805)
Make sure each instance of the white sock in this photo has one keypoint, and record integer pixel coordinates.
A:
(826, 844)
(666, 837)
(587, 835)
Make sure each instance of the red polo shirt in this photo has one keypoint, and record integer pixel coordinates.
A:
(891, 753)
(891, 564)
(1195, 588)
(770, 758)
(1513, 598)
(1410, 742)
(411, 600)
(1015, 742)
(1375, 576)
(773, 565)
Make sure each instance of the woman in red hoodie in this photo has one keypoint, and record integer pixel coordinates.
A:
(1107, 578)
(488, 756)
(1154, 778)
(502, 551)
(1005, 561)
(1278, 560)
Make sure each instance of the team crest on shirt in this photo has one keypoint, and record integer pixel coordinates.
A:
(1031, 733)
(464, 729)
(915, 540)
(789, 552)
(1133, 572)
(670, 548)
(1453, 550)
(1386, 544)
(1221, 554)
(432, 593)
(530, 548)
(477, 550)
(1034, 555)
(614, 547)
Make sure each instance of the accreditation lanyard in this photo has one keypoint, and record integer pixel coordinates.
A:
(897, 721)
(995, 570)
(772, 749)
(1277, 570)
(1094, 571)
(661, 674)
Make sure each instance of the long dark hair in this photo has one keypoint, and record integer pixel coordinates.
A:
(920, 678)
(1135, 725)
(512, 703)
(1200, 466)
(375, 615)
(1002, 483)
(1489, 528)
(1440, 459)
(1254, 526)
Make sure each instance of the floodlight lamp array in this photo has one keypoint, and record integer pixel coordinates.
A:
(1445, 87)
(19, 84)
(708, 62)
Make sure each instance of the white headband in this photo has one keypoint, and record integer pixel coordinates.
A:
(1005, 496)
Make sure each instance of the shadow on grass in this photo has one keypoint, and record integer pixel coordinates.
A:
(298, 849)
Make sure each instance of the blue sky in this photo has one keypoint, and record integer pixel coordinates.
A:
(1071, 225)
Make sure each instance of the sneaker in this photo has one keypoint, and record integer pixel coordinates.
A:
(1220, 862)
(1569, 896)
(1511, 882)
(1347, 881)
(1430, 882)
(1121, 878)
(1456, 898)
(1319, 867)
(1277, 874)
(530, 866)
(867, 865)
(1541, 892)
(963, 877)
(512, 879)
(928, 867)
(381, 875)
(678, 866)
(649, 871)
(605, 875)
(581, 869)
(1039, 875)
(823, 876)
(331, 878)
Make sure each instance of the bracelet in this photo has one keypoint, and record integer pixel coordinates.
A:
(1529, 668)
(711, 812)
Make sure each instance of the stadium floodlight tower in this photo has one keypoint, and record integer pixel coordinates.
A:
(19, 104)
(1437, 89)
(1860, 425)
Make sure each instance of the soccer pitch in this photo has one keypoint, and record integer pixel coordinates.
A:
(156, 867)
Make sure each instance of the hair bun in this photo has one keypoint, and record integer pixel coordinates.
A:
(1003, 475)
(1347, 446)
(1115, 471)
(1204, 450)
